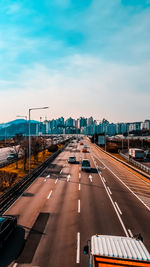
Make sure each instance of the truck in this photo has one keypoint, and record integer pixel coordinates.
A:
(107, 250)
(136, 153)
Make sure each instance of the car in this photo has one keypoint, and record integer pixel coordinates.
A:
(11, 156)
(72, 159)
(85, 165)
(84, 148)
(8, 224)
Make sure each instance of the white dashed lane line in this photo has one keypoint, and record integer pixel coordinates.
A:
(78, 205)
(50, 194)
(79, 187)
(56, 181)
(118, 208)
(78, 248)
(109, 190)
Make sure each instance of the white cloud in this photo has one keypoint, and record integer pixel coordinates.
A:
(86, 86)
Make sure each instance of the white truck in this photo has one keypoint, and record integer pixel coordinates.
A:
(106, 250)
(136, 153)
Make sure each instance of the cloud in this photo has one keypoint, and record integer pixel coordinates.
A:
(85, 85)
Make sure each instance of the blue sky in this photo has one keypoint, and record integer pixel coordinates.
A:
(89, 57)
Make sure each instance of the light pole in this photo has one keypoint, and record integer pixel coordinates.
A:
(22, 116)
(29, 134)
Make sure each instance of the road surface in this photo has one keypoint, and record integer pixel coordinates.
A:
(65, 206)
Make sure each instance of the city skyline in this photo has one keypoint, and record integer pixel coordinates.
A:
(77, 57)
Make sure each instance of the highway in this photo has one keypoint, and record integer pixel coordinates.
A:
(65, 206)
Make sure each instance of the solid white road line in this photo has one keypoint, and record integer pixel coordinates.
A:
(130, 232)
(79, 187)
(109, 190)
(118, 208)
(50, 194)
(56, 181)
(78, 248)
(78, 205)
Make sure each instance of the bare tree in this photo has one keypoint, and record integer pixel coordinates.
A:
(25, 148)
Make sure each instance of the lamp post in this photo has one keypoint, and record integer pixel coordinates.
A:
(29, 133)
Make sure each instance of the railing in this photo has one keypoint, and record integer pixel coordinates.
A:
(137, 164)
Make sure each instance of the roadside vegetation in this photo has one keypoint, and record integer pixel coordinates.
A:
(12, 173)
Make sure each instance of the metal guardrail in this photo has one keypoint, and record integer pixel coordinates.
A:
(7, 198)
(137, 164)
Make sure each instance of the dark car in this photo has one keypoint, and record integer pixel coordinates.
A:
(7, 226)
(11, 156)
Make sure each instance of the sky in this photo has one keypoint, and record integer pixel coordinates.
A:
(78, 57)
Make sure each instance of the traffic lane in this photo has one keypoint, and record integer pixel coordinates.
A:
(57, 246)
(97, 215)
(135, 215)
(127, 204)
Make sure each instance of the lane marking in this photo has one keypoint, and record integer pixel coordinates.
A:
(130, 232)
(79, 187)
(125, 185)
(61, 171)
(104, 179)
(15, 264)
(44, 180)
(56, 181)
(79, 175)
(78, 248)
(90, 177)
(109, 190)
(78, 205)
(48, 176)
(122, 224)
(118, 208)
(68, 177)
(50, 194)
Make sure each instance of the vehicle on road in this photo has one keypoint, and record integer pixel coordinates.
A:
(106, 250)
(7, 226)
(84, 149)
(136, 153)
(72, 159)
(85, 165)
(11, 156)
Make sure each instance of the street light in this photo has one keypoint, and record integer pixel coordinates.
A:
(29, 134)
(22, 116)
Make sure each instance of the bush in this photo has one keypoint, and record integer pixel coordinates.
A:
(6, 179)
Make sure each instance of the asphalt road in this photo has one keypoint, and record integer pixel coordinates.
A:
(65, 206)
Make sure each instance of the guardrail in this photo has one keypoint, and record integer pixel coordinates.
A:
(7, 198)
(137, 164)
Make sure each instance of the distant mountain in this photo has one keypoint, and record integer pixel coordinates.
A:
(15, 122)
